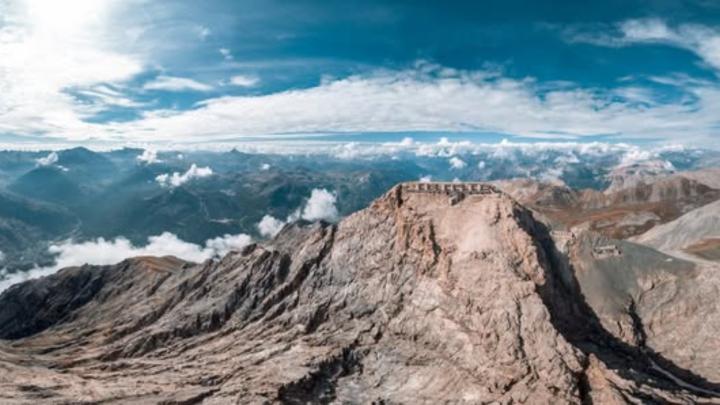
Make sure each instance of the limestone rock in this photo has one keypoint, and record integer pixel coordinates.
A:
(416, 299)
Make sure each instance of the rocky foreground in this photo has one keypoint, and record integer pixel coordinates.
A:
(417, 299)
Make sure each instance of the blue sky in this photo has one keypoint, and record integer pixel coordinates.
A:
(181, 72)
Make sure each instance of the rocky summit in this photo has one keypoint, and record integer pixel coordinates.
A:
(429, 295)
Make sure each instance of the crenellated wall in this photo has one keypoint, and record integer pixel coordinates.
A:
(449, 188)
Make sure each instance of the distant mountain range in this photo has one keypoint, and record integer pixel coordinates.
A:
(80, 195)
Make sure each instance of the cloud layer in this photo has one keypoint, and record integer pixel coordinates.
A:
(432, 98)
(105, 252)
(320, 206)
(64, 64)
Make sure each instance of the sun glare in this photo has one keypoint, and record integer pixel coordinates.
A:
(65, 16)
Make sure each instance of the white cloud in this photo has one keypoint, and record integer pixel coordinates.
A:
(8, 279)
(407, 141)
(644, 161)
(226, 54)
(647, 30)
(481, 164)
(104, 96)
(702, 40)
(699, 39)
(321, 206)
(223, 245)
(421, 100)
(425, 179)
(51, 47)
(265, 167)
(105, 252)
(48, 160)
(424, 98)
(270, 226)
(348, 151)
(177, 179)
(171, 83)
(457, 163)
(149, 156)
(566, 159)
(634, 156)
(63, 62)
(244, 80)
(2, 256)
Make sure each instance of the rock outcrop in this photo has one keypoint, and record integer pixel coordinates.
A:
(416, 299)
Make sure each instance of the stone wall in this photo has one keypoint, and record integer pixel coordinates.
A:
(449, 188)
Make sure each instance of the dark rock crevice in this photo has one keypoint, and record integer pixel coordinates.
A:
(319, 386)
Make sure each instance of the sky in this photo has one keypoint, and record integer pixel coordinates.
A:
(135, 72)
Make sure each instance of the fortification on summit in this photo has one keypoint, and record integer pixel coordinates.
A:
(455, 192)
(449, 188)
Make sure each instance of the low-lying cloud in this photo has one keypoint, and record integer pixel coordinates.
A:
(270, 226)
(104, 252)
(149, 156)
(48, 160)
(457, 163)
(177, 179)
(320, 206)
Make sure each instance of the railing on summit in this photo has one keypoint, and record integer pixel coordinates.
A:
(449, 188)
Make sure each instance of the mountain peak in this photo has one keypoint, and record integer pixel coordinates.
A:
(436, 292)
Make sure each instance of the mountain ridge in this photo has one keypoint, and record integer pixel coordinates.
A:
(418, 298)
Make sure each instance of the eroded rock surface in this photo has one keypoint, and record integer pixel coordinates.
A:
(416, 299)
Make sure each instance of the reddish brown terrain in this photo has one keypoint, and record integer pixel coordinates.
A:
(616, 212)
(708, 249)
(420, 298)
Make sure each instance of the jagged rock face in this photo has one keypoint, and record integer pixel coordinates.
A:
(413, 300)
